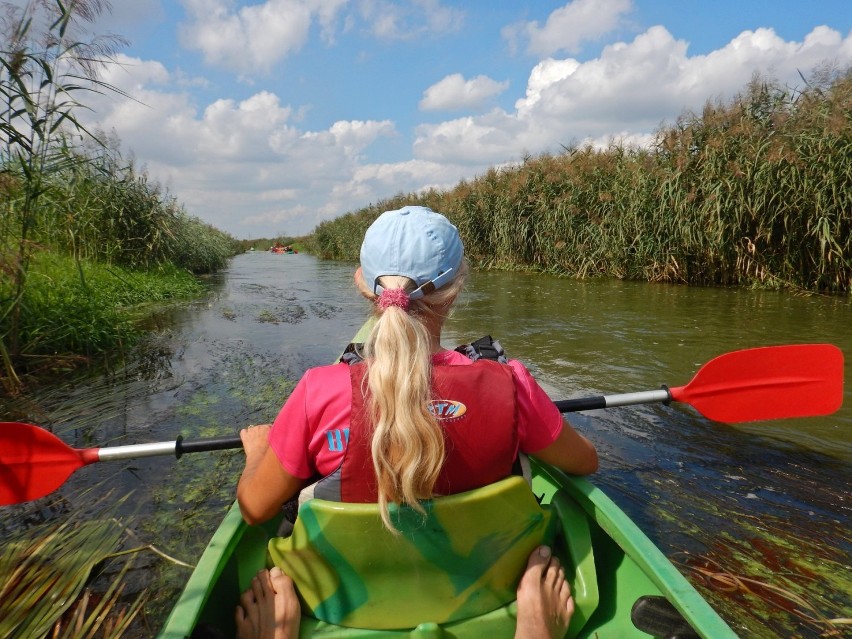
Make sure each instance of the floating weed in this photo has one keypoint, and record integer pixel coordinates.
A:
(199, 404)
(44, 574)
(184, 511)
(289, 314)
(765, 572)
(264, 393)
(771, 595)
(200, 488)
(761, 578)
(246, 385)
(323, 310)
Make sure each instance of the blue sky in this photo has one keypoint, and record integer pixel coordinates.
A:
(268, 117)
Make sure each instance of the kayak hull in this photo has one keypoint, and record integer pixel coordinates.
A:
(611, 560)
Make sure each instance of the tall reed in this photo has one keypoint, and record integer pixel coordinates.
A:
(40, 74)
(78, 199)
(101, 209)
(46, 574)
(753, 192)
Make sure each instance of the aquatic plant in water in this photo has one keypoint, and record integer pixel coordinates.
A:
(44, 577)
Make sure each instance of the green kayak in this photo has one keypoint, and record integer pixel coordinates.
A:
(453, 571)
(620, 579)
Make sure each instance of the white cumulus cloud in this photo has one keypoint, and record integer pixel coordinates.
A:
(256, 37)
(389, 20)
(246, 166)
(454, 93)
(631, 88)
(568, 27)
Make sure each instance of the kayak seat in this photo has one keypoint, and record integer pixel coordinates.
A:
(465, 555)
(462, 560)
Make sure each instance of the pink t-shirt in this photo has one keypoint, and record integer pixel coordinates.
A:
(311, 431)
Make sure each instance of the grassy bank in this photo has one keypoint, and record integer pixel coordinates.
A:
(73, 313)
(81, 266)
(754, 192)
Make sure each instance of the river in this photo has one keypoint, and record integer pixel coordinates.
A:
(756, 516)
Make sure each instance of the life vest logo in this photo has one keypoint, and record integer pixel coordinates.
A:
(446, 409)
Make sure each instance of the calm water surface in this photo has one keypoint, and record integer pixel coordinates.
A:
(762, 508)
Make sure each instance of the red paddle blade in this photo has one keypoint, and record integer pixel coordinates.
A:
(34, 462)
(773, 382)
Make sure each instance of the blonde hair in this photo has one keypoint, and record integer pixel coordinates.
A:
(407, 443)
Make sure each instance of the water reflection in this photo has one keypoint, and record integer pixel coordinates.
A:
(711, 495)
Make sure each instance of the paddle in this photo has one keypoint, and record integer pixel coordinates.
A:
(34, 462)
(755, 384)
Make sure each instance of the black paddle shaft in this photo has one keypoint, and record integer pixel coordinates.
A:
(203, 445)
(609, 401)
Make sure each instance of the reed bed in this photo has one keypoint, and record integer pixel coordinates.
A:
(96, 208)
(754, 192)
(67, 196)
(88, 308)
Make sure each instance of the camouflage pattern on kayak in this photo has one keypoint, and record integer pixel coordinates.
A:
(466, 551)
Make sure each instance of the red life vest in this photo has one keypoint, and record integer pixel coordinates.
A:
(475, 405)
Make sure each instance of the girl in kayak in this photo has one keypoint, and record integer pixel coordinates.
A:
(412, 420)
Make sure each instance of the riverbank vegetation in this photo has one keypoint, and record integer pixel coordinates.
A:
(753, 192)
(85, 237)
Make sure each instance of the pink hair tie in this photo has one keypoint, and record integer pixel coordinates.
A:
(393, 297)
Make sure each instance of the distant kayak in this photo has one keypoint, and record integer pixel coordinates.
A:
(282, 249)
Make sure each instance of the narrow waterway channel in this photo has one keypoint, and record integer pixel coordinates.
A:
(762, 507)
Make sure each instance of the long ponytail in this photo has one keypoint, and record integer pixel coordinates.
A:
(407, 442)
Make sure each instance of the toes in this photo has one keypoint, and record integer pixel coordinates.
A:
(280, 581)
(554, 573)
(257, 587)
(266, 586)
(564, 590)
(247, 599)
(539, 560)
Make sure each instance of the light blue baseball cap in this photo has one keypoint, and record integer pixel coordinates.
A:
(414, 242)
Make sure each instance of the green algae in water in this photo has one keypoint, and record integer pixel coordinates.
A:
(201, 487)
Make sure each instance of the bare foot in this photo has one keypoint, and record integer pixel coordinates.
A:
(545, 604)
(270, 608)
